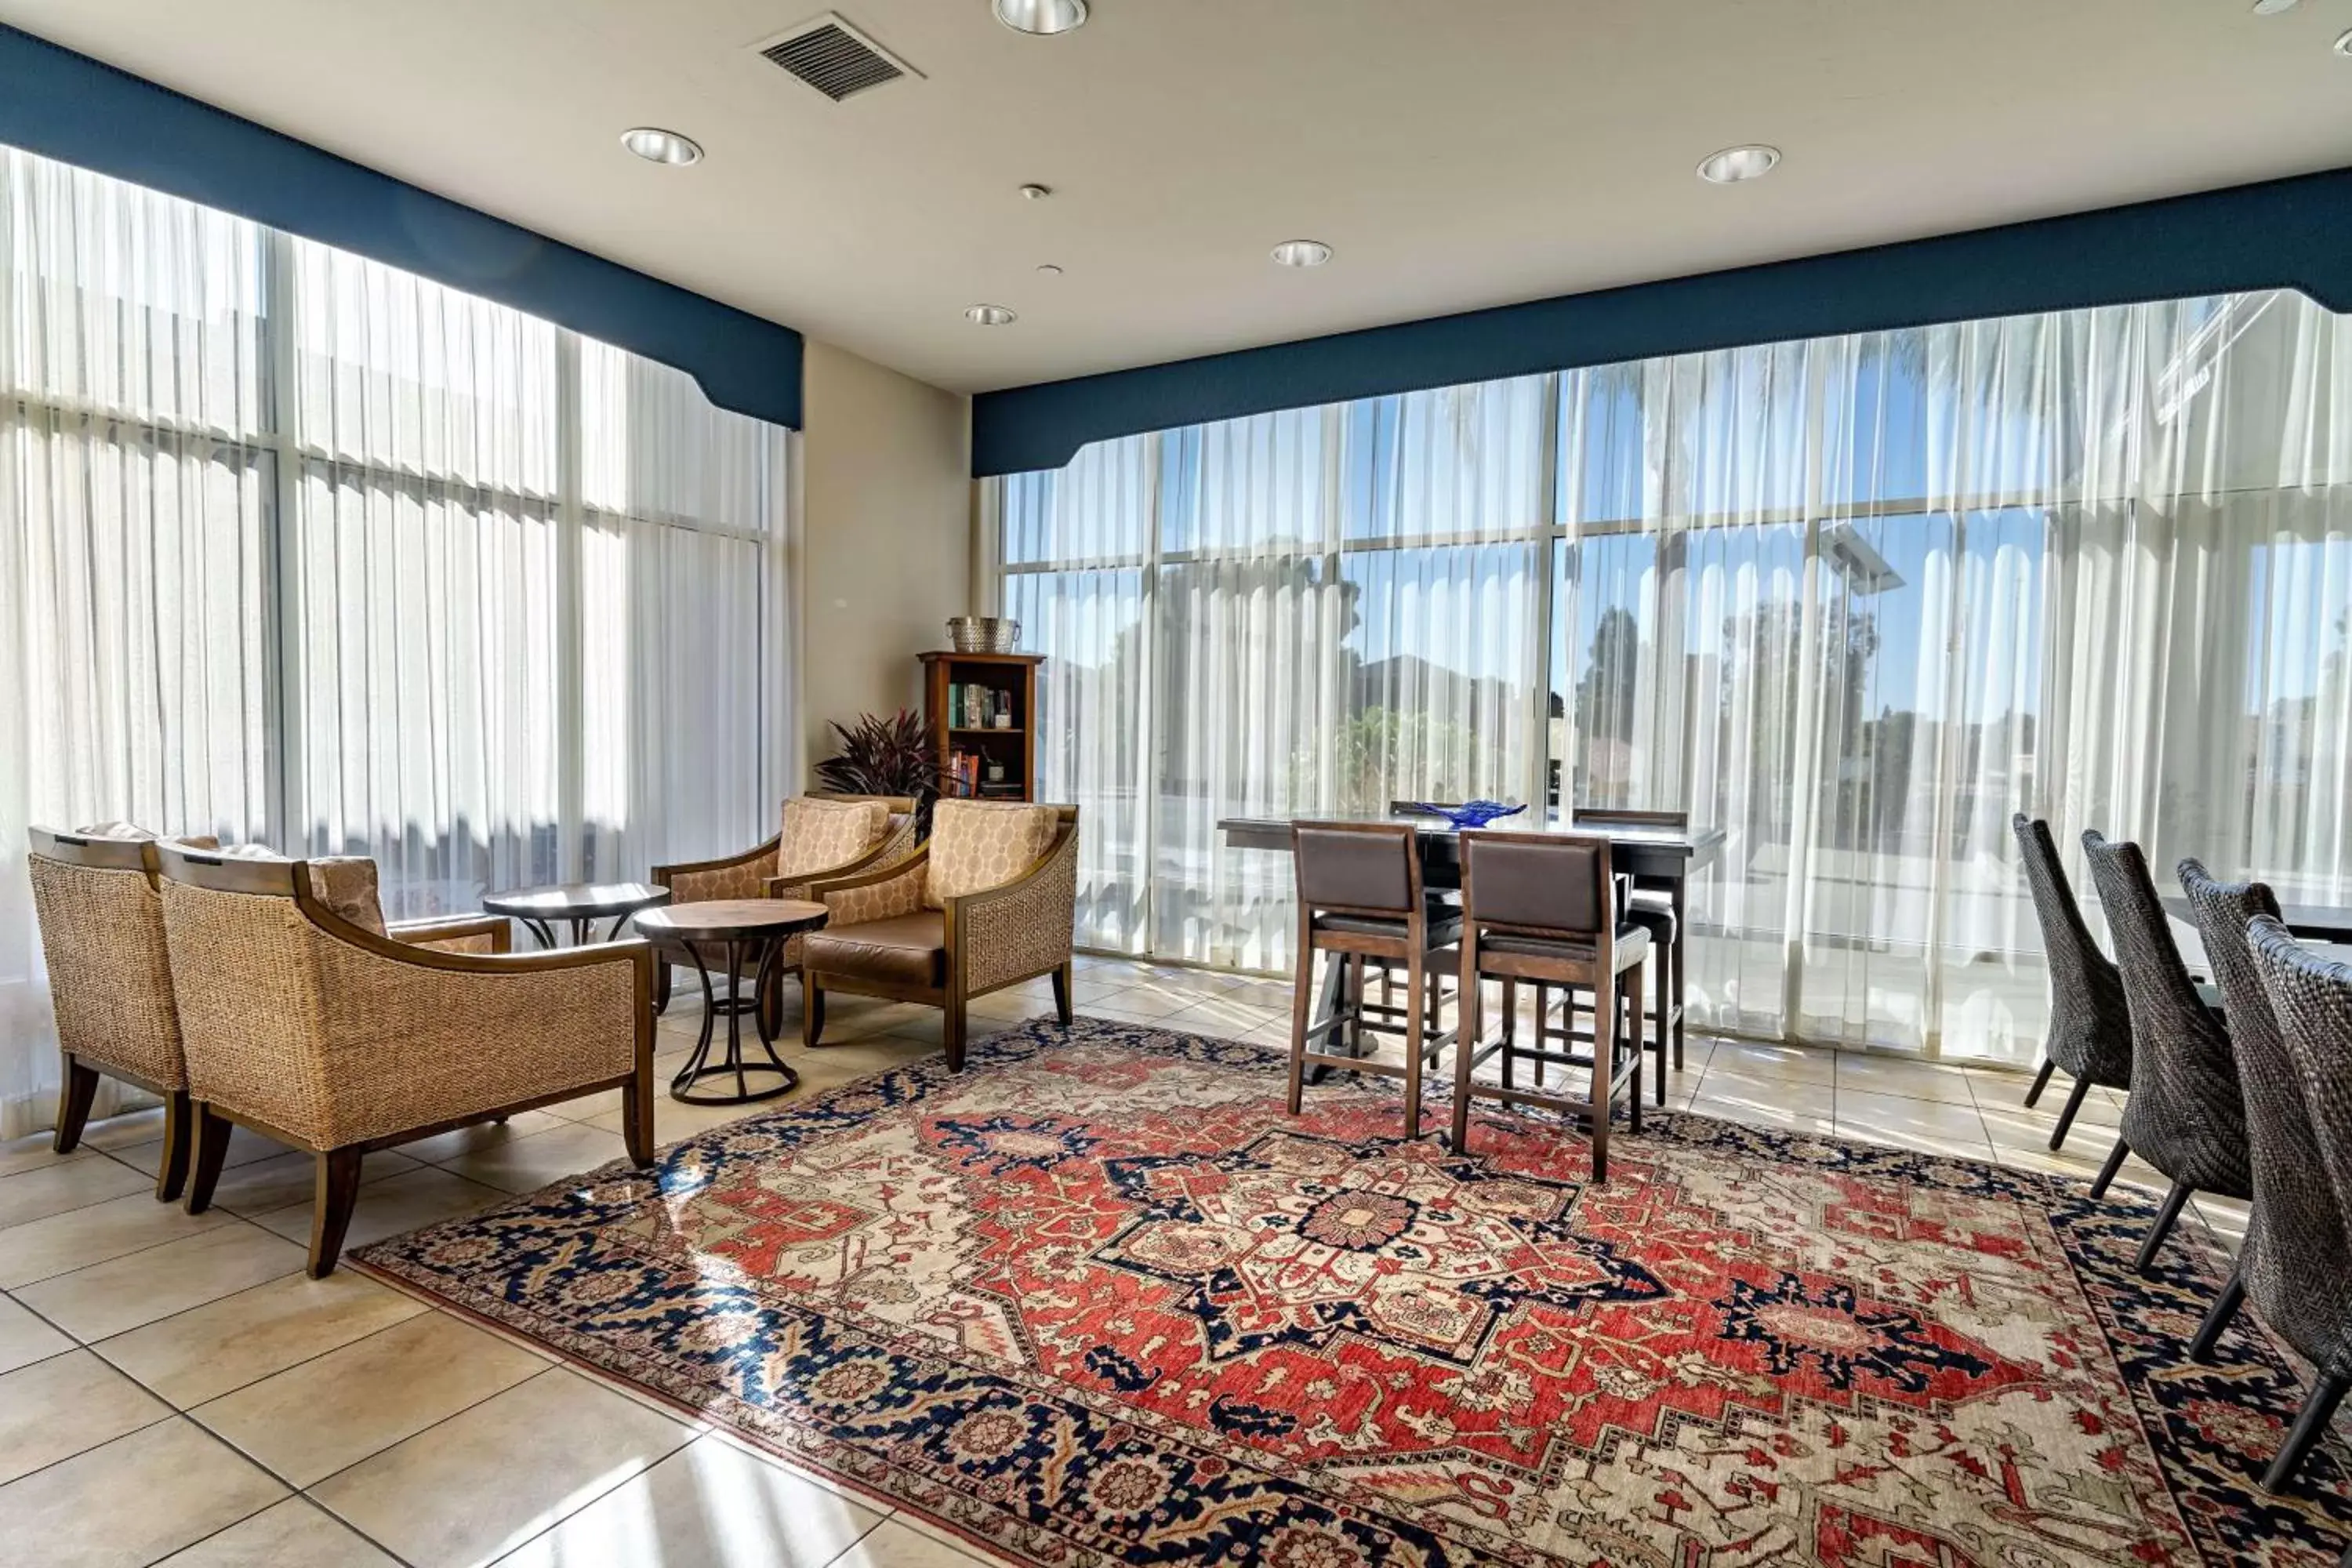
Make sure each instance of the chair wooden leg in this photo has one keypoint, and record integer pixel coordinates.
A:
(1465, 1043)
(2041, 1080)
(812, 1010)
(2174, 1202)
(2225, 1309)
(208, 1149)
(2310, 1425)
(1302, 1003)
(1063, 978)
(75, 1095)
(1665, 1030)
(1633, 1035)
(953, 1031)
(1414, 981)
(637, 1116)
(2107, 1172)
(171, 1172)
(1355, 964)
(1604, 1014)
(336, 1190)
(2067, 1117)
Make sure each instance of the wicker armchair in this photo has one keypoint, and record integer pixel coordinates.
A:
(314, 1030)
(2090, 1022)
(773, 870)
(102, 939)
(2311, 1000)
(2186, 1115)
(908, 932)
(2298, 1233)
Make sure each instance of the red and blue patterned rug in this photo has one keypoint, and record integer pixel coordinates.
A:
(1096, 1300)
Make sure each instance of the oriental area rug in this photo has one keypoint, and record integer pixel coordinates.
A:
(1097, 1300)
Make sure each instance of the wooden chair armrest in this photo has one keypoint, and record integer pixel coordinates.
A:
(885, 853)
(660, 875)
(454, 928)
(867, 877)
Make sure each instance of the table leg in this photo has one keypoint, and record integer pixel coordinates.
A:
(1674, 981)
(540, 930)
(1328, 1002)
(734, 1004)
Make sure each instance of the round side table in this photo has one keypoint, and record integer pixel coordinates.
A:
(581, 903)
(732, 932)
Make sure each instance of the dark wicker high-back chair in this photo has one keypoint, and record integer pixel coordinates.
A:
(2089, 1023)
(2186, 1115)
(2311, 1000)
(2291, 1264)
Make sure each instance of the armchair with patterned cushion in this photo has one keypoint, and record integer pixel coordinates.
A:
(987, 901)
(310, 1028)
(820, 836)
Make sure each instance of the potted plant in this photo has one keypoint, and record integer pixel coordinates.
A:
(884, 756)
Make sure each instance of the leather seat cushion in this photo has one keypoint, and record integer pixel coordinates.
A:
(1630, 940)
(909, 950)
(1653, 914)
(1439, 932)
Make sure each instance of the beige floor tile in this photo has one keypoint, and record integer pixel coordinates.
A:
(605, 1101)
(1929, 1125)
(66, 1185)
(309, 1421)
(245, 1146)
(80, 1238)
(1783, 1103)
(525, 1164)
(901, 1542)
(122, 1131)
(26, 1339)
(296, 1533)
(2097, 1110)
(290, 1178)
(393, 1206)
(205, 1351)
(2016, 1127)
(38, 1151)
(710, 1505)
(482, 1135)
(1218, 1016)
(674, 1120)
(1870, 1073)
(1752, 1059)
(58, 1407)
(1145, 1001)
(490, 1478)
(1012, 1006)
(109, 1298)
(137, 1499)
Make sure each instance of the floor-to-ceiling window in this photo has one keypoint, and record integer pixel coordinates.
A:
(1852, 602)
(299, 549)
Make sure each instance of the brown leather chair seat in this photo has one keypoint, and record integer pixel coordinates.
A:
(1440, 931)
(1632, 938)
(909, 950)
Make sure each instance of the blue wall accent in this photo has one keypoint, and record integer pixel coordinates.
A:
(2282, 234)
(69, 107)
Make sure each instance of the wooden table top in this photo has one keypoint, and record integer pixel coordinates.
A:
(1698, 846)
(2312, 922)
(720, 920)
(566, 900)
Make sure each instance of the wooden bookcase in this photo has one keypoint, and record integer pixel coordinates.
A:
(1011, 678)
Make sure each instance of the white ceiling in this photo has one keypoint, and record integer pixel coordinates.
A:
(1457, 152)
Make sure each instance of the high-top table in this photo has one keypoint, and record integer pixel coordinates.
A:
(1655, 856)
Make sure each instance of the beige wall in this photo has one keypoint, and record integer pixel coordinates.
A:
(886, 507)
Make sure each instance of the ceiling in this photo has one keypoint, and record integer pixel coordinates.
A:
(1457, 154)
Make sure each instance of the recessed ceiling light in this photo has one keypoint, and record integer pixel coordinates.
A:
(2272, 7)
(990, 316)
(2343, 45)
(1041, 16)
(655, 145)
(1037, 193)
(1302, 253)
(1733, 164)
(1049, 269)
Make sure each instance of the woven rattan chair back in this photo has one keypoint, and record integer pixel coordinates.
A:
(2186, 1115)
(2090, 1021)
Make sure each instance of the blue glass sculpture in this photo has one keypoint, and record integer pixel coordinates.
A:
(1470, 812)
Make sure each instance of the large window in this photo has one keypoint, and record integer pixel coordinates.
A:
(299, 549)
(1852, 602)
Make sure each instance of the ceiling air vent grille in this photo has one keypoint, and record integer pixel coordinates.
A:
(835, 57)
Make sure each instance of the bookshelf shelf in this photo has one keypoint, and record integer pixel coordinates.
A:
(955, 683)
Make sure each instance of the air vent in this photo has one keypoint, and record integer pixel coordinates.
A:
(835, 57)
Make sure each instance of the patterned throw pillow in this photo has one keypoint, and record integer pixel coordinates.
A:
(979, 845)
(819, 835)
(346, 884)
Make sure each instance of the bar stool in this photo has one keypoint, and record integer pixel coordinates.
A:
(1545, 908)
(1652, 908)
(1360, 901)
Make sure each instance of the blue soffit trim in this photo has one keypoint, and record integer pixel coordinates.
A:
(2281, 234)
(82, 111)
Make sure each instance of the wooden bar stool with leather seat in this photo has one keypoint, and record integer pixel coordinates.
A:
(1545, 909)
(1360, 899)
(1654, 909)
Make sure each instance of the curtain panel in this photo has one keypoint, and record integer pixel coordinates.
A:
(298, 549)
(1852, 601)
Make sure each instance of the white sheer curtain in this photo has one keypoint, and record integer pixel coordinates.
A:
(1852, 601)
(300, 549)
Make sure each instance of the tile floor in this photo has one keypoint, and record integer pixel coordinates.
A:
(173, 1390)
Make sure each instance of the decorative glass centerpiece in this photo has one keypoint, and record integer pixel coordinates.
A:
(1470, 812)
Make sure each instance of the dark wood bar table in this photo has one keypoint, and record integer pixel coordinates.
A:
(1658, 857)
